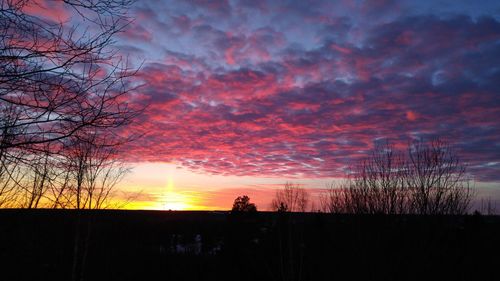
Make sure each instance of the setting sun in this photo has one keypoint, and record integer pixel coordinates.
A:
(173, 200)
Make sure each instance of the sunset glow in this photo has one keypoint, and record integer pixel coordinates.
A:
(243, 96)
(172, 200)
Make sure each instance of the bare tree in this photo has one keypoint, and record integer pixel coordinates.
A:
(372, 186)
(428, 179)
(61, 80)
(437, 179)
(11, 172)
(40, 174)
(292, 198)
(91, 170)
(290, 255)
(58, 80)
(375, 185)
(334, 199)
(64, 98)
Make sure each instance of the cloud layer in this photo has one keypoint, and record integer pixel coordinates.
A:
(304, 89)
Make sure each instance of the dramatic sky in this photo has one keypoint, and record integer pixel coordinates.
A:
(246, 95)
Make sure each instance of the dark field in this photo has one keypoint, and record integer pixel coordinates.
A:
(155, 245)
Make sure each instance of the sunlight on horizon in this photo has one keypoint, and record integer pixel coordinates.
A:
(167, 186)
(172, 200)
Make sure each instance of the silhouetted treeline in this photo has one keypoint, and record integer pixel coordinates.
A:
(149, 245)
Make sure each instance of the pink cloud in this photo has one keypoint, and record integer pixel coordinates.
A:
(55, 11)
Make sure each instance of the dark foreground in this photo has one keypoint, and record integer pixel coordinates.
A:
(150, 245)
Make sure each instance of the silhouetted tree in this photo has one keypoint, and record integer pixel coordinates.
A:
(11, 175)
(55, 80)
(54, 83)
(64, 94)
(376, 183)
(428, 179)
(11, 170)
(57, 84)
(40, 176)
(334, 200)
(242, 204)
(436, 179)
(292, 198)
(290, 253)
(91, 169)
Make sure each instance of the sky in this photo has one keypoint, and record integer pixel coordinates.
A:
(247, 95)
